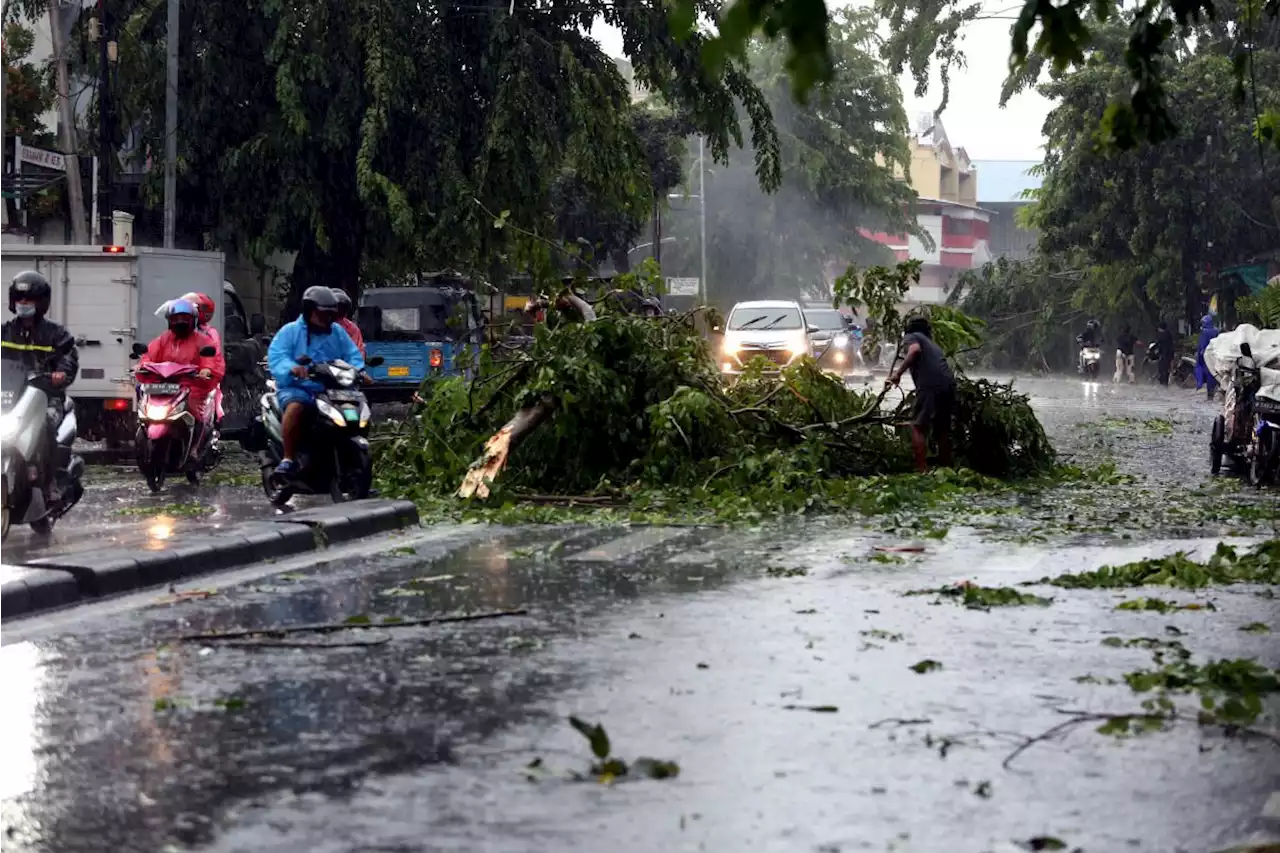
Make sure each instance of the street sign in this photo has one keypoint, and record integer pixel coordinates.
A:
(41, 157)
(682, 286)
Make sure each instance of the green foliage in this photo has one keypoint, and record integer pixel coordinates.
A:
(1226, 566)
(1261, 309)
(984, 597)
(608, 768)
(838, 155)
(877, 291)
(372, 137)
(1028, 310)
(926, 665)
(1160, 605)
(642, 416)
(1230, 690)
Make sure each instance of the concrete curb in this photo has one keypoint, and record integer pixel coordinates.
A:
(50, 582)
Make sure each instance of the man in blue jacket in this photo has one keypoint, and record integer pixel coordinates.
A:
(317, 335)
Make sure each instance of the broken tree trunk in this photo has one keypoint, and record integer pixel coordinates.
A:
(498, 448)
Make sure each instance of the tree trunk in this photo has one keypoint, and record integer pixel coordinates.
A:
(498, 448)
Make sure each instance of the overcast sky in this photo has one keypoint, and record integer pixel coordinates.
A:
(973, 118)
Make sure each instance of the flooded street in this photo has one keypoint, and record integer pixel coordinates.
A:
(809, 703)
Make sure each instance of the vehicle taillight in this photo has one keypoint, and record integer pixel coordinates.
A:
(116, 405)
(113, 250)
(437, 358)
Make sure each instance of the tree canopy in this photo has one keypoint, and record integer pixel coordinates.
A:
(373, 137)
(838, 156)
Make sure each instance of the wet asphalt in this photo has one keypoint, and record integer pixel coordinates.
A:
(704, 646)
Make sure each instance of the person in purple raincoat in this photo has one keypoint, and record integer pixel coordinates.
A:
(1204, 378)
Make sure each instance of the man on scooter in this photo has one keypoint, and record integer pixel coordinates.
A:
(318, 335)
(181, 344)
(204, 312)
(344, 318)
(40, 345)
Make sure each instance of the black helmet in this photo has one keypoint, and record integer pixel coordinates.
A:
(30, 286)
(344, 301)
(318, 297)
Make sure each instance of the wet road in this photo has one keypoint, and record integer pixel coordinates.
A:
(686, 644)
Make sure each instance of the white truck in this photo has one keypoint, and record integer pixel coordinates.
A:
(107, 297)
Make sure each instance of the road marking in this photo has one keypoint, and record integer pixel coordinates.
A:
(628, 546)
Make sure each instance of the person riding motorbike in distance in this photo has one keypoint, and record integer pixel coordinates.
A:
(318, 335)
(345, 310)
(181, 344)
(40, 345)
(205, 307)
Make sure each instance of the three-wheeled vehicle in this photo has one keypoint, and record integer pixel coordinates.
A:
(429, 329)
(1246, 361)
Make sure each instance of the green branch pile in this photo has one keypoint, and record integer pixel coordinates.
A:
(640, 416)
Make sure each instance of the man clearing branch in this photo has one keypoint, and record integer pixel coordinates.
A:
(935, 391)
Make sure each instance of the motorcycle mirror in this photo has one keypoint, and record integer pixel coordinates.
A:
(374, 361)
(138, 349)
(208, 352)
(303, 360)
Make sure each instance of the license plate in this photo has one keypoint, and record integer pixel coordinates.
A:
(398, 371)
(162, 389)
(344, 395)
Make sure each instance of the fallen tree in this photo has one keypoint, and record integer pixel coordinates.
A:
(634, 409)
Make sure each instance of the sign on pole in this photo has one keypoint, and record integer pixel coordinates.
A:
(41, 157)
(682, 286)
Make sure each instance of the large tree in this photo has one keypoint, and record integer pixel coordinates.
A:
(1154, 223)
(839, 154)
(378, 138)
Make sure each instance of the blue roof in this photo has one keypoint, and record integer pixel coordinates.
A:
(1005, 180)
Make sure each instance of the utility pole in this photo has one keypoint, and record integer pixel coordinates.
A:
(171, 126)
(102, 226)
(66, 114)
(702, 218)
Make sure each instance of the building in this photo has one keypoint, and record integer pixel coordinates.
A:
(1007, 186)
(946, 184)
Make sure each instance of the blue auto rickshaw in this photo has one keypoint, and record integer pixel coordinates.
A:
(421, 331)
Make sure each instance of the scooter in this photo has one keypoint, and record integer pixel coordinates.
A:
(334, 458)
(24, 402)
(166, 426)
(1090, 360)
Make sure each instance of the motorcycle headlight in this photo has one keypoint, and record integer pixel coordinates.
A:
(331, 413)
(8, 427)
(157, 412)
(345, 377)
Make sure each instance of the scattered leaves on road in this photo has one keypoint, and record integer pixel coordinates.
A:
(185, 510)
(926, 665)
(1160, 605)
(1256, 628)
(1226, 566)
(817, 709)
(785, 572)
(982, 597)
(608, 768)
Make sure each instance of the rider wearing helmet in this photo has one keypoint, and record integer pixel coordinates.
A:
(181, 344)
(318, 335)
(204, 311)
(344, 318)
(42, 346)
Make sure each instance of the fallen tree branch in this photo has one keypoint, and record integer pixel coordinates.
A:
(900, 721)
(332, 627)
(298, 644)
(498, 448)
(595, 500)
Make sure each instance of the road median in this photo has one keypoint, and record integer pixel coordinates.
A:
(45, 583)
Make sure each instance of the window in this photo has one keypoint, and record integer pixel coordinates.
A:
(764, 318)
(401, 320)
(958, 226)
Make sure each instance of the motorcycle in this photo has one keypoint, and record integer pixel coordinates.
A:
(167, 427)
(334, 458)
(24, 403)
(1090, 360)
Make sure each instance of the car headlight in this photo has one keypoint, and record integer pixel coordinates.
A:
(8, 427)
(841, 341)
(731, 345)
(799, 346)
(331, 413)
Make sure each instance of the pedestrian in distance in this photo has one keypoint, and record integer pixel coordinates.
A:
(1204, 376)
(1125, 342)
(1164, 345)
(935, 392)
